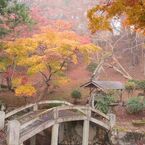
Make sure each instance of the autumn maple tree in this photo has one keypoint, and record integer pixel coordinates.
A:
(48, 54)
(12, 76)
(132, 13)
(14, 17)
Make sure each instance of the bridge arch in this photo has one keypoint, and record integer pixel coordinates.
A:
(52, 117)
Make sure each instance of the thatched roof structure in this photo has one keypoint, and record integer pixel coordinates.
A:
(104, 85)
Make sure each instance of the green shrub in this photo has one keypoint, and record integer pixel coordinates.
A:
(135, 105)
(130, 86)
(92, 66)
(135, 81)
(115, 93)
(111, 92)
(76, 95)
(103, 103)
(141, 85)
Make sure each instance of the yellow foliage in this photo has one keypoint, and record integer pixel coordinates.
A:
(36, 68)
(89, 48)
(69, 43)
(48, 49)
(62, 81)
(74, 59)
(21, 47)
(29, 61)
(16, 82)
(2, 66)
(25, 90)
(69, 35)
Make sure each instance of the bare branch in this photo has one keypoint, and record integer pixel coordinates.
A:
(44, 76)
(61, 66)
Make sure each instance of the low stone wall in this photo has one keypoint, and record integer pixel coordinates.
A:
(128, 138)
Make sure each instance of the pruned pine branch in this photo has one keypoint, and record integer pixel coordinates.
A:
(122, 68)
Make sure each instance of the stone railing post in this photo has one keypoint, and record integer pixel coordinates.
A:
(33, 140)
(112, 118)
(35, 107)
(55, 114)
(2, 120)
(86, 127)
(54, 135)
(92, 100)
(13, 132)
(87, 112)
(55, 129)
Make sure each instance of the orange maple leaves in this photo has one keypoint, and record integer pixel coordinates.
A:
(133, 12)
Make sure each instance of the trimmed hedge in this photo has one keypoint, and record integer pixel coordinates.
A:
(135, 105)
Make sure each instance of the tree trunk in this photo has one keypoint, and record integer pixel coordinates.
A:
(9, 83)
(44, 92)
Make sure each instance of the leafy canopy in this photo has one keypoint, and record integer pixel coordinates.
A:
(49, 50)
(13, 14)
(132, 12)
(47, 53)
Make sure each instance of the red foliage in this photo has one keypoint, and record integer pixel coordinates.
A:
(24, 80)
(61, 25)
(84, 40)
(8, 73)
(38, 16)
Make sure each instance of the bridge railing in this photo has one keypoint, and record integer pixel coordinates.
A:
(31, 107)
(34, 107)
(14, 112)
(96, 114)
(55, 111)
(81, 110)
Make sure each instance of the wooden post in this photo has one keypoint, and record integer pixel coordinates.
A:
(13, 132)
(86, 126)
(2, 119)
(54, 135)
(33, 140)
(121, 96)
(112, 118)
(55, 114)
(35, 107)
(86, 132)
(55, 128)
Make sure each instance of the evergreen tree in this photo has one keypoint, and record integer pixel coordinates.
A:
(12, 14)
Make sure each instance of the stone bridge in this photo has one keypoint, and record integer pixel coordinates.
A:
(24, 123)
